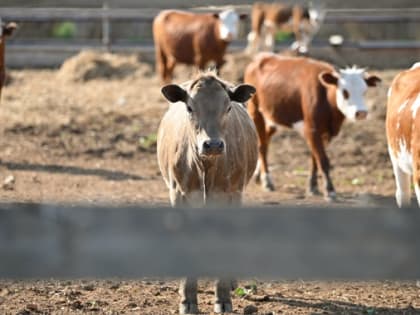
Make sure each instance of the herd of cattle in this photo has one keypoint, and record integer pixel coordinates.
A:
(209, 146)
(215, 136)
(308, 95)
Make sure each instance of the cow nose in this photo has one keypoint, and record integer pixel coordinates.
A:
(213, 147)
(361, 114)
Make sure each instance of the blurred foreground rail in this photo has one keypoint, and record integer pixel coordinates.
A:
(309, 243)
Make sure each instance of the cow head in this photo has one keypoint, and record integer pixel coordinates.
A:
(6, 29)
(349, 86)
(208, 104)
(229, 23)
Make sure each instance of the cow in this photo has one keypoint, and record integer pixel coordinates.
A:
(268, 18)
(207, 153)
(6, 29)
(403, 133)
(193, 39)
(309, 96)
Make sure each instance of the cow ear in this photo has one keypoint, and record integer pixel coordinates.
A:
(372, 80)
(174, 93)
(9, 28)
(241, 93)
(243, 16)
(328, 78)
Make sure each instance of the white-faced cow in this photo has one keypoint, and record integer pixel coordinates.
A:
(403, 133)
(268, 18)
(207, 153)
(309, 96)
(5, 30)
(193, 39)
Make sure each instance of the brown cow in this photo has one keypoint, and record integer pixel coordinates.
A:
(309, 96)
(207, 153)
(403, 133)
(5, 30)
(193, 39)
(268, 18)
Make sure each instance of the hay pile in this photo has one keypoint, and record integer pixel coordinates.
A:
(90, 65)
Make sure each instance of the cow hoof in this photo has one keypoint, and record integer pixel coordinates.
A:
(268, 186)
(188, 308)
(331, 197)
(223, 308)
(313, 192)
(257, 178)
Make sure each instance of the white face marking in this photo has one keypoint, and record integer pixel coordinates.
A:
(298, 126)
(229, 20)
(353, 82)
(415, 106)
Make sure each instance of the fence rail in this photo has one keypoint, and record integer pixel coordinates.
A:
(53, 53)
(54, 241)
(147, 15)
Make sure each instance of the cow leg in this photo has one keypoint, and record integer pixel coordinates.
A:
(262, 168)
(313, 178)
(188, 294)
(170, 66)
(219, 65)
(318, 151)
(417, 189)
(253, 39)
(161, 62)
(403, 183)
(416, 169)
(223, 301)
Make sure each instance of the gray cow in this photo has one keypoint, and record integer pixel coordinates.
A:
(207, 153)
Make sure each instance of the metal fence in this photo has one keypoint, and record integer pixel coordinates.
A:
(54, 52)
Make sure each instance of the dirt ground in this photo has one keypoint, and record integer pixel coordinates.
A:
(75, 138)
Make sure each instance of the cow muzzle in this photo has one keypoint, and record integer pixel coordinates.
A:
(212, 147)
(361, 114)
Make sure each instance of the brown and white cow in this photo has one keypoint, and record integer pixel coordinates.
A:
(207, 153)
(5, 30)
(268, 18)
(403, 133)
(309, 96)
(193, 39)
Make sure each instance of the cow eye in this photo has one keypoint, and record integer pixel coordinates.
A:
(346, 94)
(189, 109)
(229, 109)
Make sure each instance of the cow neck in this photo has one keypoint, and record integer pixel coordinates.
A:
(209, 172)
(338, 117)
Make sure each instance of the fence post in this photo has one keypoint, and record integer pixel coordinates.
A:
(106, 27)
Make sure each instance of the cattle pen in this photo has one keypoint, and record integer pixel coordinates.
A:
(54, 52)
(86, 225)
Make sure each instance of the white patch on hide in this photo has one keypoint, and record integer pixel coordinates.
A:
(298, 126)
(415, 106)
